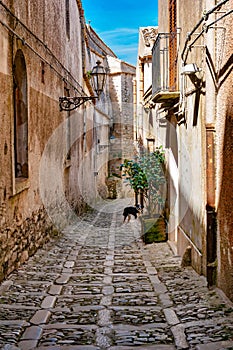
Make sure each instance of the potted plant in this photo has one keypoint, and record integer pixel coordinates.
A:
(146, 176)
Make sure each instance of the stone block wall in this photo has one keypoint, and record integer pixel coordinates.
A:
(38, 30)
(21, 238)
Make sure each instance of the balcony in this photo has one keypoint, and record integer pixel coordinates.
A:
(164, 69)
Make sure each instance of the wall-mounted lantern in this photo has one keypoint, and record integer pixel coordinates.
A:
(189, 69)
(98, 78)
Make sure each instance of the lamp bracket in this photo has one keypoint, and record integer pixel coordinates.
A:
(71, 103)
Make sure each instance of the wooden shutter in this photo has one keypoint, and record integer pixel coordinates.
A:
(172, 46)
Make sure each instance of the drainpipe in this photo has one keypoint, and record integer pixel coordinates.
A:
(211, 229)
(135, 109)
(141, 93)
(141, 80)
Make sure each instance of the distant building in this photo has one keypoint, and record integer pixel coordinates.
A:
(143, 82)
(121, 77)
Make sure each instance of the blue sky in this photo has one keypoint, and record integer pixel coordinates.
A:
(117, 23)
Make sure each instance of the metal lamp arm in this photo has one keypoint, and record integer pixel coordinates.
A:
(71, 103)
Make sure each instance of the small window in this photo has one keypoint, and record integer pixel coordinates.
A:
(20, 116)
(150, 145)
(42, 72)
(68, 19)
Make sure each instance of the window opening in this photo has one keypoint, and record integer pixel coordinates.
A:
(68, 18)
(20, 116)
(42, 72)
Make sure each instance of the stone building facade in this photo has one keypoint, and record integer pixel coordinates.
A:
(121, 76)
(192, 95)
(143, 126)
(54, 163)
(223, 152)
(36, 63)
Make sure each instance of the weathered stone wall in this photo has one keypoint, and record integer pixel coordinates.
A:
(67, 151)
(22, 238)
(191, 141)
(28, 206)
(205, 177)
(224, 155)
(101, 117)
(121, 77)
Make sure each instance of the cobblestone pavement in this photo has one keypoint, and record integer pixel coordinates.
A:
(99, 287)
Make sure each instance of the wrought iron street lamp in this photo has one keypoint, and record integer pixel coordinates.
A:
(98, 78)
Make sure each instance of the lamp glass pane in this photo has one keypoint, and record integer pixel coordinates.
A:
(98, 75)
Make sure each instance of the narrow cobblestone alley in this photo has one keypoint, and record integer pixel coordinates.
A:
(99, 287)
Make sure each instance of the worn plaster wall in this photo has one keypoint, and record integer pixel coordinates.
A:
(163, 16)
(191, 144)
(224, 154)
(186, 141)
(28, 205)
(102, 116)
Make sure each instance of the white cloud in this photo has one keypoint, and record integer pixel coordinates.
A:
(123, 42)
(119, 34)
(124, 48)
(120, 31)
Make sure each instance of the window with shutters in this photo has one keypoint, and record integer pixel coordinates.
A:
(172, 46)
(165, 85)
